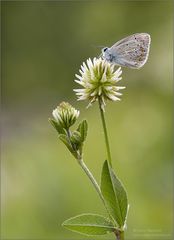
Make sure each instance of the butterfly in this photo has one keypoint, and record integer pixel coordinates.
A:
(132, 51)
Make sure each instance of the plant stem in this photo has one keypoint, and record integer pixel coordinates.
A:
(95, 184)
(89, 174)
(119, 235)
(86, 170)
(92, 179)
(68, 133)
(105, 133)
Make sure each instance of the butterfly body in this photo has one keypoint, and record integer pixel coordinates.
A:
(132, 51)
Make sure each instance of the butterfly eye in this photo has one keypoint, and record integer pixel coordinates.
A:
(104, 49)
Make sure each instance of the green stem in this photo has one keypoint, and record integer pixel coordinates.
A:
(89, 174)
(69, 137)
(105, 133)
(86, 170)
(68, 133)
(92, 179)
(94, 182)
(119, 235)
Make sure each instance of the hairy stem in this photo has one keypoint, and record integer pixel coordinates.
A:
(105, 133)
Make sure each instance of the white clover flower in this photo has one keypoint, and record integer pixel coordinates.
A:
(65, 115)
(99, 81)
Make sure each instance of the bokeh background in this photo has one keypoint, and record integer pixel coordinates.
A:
(43, 46)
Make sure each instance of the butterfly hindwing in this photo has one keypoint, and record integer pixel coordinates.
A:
(131, 51)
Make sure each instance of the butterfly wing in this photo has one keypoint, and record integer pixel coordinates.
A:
(132, 51)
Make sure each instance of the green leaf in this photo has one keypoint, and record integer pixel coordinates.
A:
(59, 129)
(75, 137)
(89, 224)
(114, 194)
(65, 140)
(83, 128)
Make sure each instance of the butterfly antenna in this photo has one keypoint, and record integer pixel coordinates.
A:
(98, 46)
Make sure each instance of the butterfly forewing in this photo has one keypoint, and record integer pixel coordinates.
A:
(132, 51)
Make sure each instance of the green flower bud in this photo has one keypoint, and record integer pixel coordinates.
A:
(76, 137)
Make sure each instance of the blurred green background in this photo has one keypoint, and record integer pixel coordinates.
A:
(43, 46)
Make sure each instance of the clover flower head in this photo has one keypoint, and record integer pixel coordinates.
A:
(65, 115)
(99, 81)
